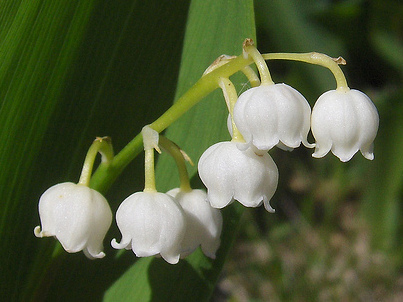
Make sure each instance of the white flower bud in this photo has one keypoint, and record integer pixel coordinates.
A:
(77, 216)
(203, 223)
(271, 115)
(151, 223)
(230, 173)
(344, 122)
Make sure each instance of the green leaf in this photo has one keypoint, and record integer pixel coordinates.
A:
(37, 50)
(209, 34)
(71, 70)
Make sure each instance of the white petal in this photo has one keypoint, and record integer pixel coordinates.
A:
(213, 171)
(102, 218)
(368, 151)
(123, 243)
(203, 223)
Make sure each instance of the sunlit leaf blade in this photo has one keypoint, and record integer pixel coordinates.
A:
(70, 71)
(209, 33)
(38, 45)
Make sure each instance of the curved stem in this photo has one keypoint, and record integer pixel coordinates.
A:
(251, 50)
(231, 97)
(251, 75)
(102, 145)
(176, 153)
(202, 88)
(317, 59)
(105, 175)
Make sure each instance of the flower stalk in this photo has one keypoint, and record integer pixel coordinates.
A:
(231, 97)
(251, 75)
(316, 59)
(179, 158)
(150, 142)
(106, 174)
(103, 145)
(249, 49)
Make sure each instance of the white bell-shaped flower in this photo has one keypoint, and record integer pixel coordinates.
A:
(151, 223)
(344, 122)
(77, 216)
(270, 115)
(203, 222)
(230, 172)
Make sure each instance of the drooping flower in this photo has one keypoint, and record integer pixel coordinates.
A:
(270, 115)
(231, 173)
(203, 223)
(344, 122)
(77, 216)
(151, 223)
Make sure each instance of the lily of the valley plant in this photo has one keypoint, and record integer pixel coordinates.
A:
(174, 224)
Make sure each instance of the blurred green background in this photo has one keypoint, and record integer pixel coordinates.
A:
(337, 232)
(71, 70)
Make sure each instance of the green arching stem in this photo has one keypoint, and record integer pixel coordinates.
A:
(317, 59)
(105, 175)
(261, 65)
(247, 70)
(231, 97)
(202, 88)
(149, 173)
(251, 75)
(102, 145)
(175, 152)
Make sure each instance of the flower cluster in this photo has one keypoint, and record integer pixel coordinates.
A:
(171, 225)
(342, 120)
(174, 224)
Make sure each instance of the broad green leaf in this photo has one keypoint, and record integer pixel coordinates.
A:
(37, 50)
(70, 71)
(209, 33)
